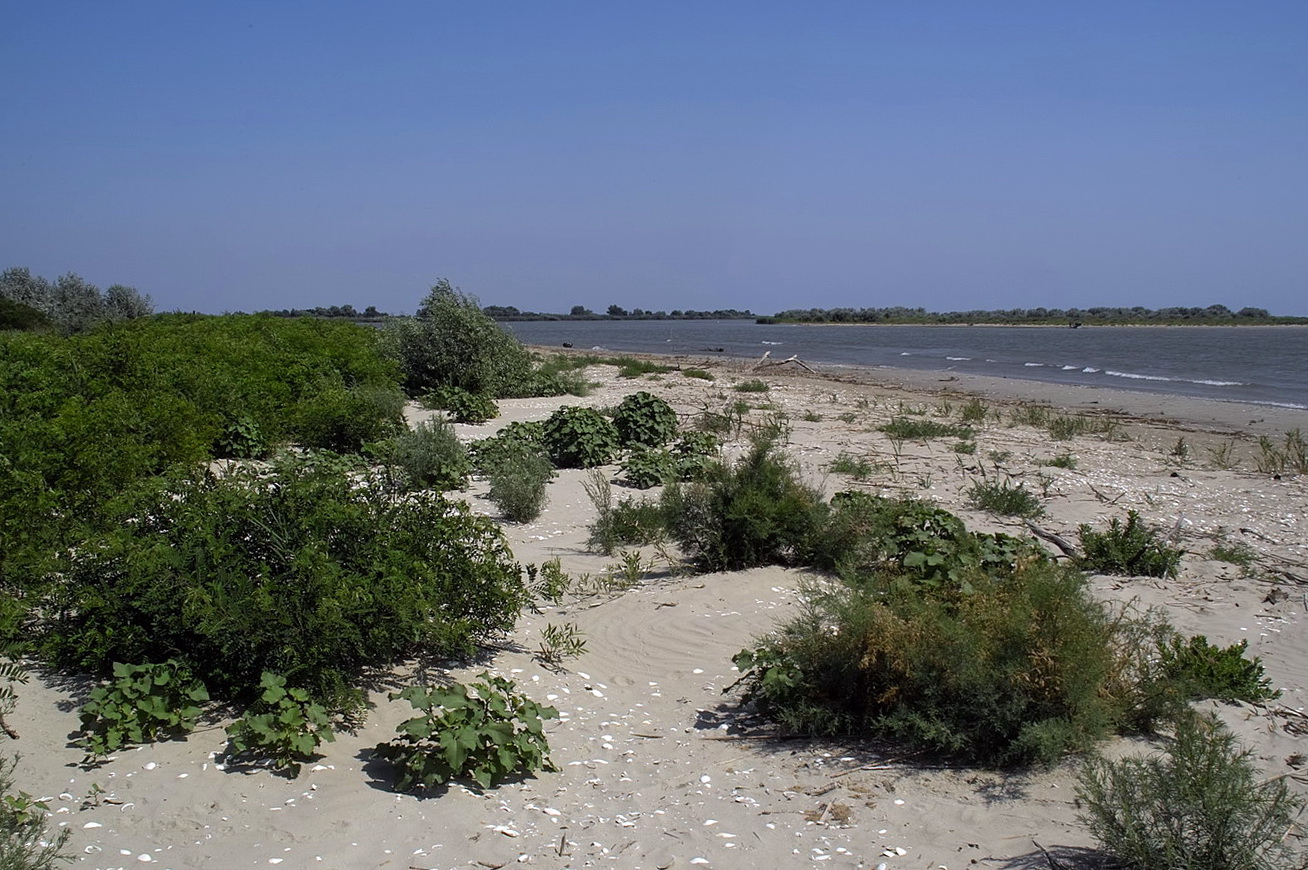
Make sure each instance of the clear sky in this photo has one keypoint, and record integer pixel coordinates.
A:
(761, 155)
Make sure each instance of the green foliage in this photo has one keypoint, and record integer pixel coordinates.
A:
(141, 704)
(484, 731)
(343, 419)
(975, 410)
(519, 474)
(12, 672)
(25, 841)
(559, 642)
(1291, 456)
(741, 515)
(967, 448)
(909, 428)
(241, 438)
(288, 730)
(578, 437)
(628, 522)
(431, 456)
(1238, 553)
(299, 569)
(462, 406)
(1132, 549)
(1004, 498)
(452, 342)
(1013, 670)
(1062, 460)
(1199, 806)
(857, 467)
(16, 315)
(644, 420)
(699, 374)
(648, 468)
(551, 582)
(694, 453)
(1206, 671)
(486, 452)
(630, 367)
(752, 386)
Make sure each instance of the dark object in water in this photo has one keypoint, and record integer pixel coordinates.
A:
(715, 350)
(567, 344)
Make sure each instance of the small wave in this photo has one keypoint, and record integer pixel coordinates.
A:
(1289, 405)
(959, 358)
(1089, 371)
(771, 342)
(905, 353)
(1034, 365)
(1206, 382)
(1070, 368)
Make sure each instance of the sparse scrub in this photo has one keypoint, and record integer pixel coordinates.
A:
(1132, 549)
(967, 448)
(1063, 460)
(975, 410)
(858, 467)
(1199, 806)
(1036, 416)
(630, 367)
(700, 374)
(1292, 456)
(1237, 553)
(559, 642)
(1004, 498)
(1223, 456)
(627, 522)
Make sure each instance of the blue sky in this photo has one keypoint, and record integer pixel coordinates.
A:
(952, 155)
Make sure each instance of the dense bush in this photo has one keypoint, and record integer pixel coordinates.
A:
(487, 451)
(647, 468)
(752, 512)
(462, 406)
(1133, 549)
(1201, 670)
(431, 456)
(302, 571)
(579, 437)
(344, 419)
(644, 420)
(1199, 806)
(519, 474)
(70, 303)
(452, 342)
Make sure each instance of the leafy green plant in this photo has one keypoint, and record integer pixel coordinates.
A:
(694, 452)
(143, 703)
(288, 730)
(241, 438)
(25, 841)
(484, 731)
(12, 672)
(579, 437)
(343, 419)
(753, 512)
(1132, 549)
(461, 405)
(644, 420)
(551, 581)
(1004, 498)
(752, 386)
(559, 642)
(909, 428)
(487, 451)
(519, 476)
(1206, 671)
(1200, 805)
(647, 468)
(432, 456)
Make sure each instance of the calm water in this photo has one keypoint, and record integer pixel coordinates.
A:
(1264, 365)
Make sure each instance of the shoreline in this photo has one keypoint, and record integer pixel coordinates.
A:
(1213, 416)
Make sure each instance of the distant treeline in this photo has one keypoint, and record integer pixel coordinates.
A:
(346, 311)
(617, 312)
(1213, 315)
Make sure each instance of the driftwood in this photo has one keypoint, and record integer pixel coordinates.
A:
(765, 362)
(1058, 541)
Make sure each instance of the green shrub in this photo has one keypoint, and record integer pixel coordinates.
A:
(579, 437)
(744, 514)
(628, 522)
(452, 342)
(1199, 806)
(1132, 549)
(142, 704)
(484, 731)
(909, 428)
(644, 420)
(344, 419)
(241, 438)
(694, 453)
(752, 386)
(648, 468)
(288, 730)
(431, 456)
(699, 374)
(1010, 671)
(301, 570)
(486, 452)
(1206, 671)
(519, 475)
(1004, 498)
(461, 405)
(25, 841)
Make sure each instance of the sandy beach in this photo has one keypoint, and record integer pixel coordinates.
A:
(652, 771)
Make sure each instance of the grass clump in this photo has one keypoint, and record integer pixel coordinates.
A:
(1291, 456)
(1200, 805)
(752, 386)
(1063, 460)
(699, 374)
(630, 367)
(1004, 498)
(857, 467)
(975, 410)
(623, 523)
(1131, 548)
(910, 428)
(752, 512)
(1238, 553)
(519, 475)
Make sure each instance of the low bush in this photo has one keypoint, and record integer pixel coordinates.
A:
(1132, 549)
(26, 842)
(752, 386)
(624, 523)
(1202, 670)
(431, 456)
(142, 703)
(486, 452)
(286, 730)
(579, 437)
(461, 405)
(1004, 498)
(911, 428)
(1201, 805)
(344, 419)
(301, 570)
(752, 512)
(484, 731)
(644, 420)
(648, 468)
(519, 475)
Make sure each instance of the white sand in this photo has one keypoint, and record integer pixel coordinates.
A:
(649, 774)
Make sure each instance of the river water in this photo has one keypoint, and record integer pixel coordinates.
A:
(1259, 365)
